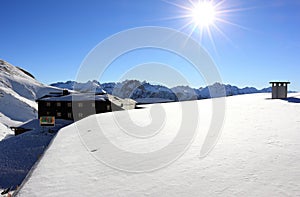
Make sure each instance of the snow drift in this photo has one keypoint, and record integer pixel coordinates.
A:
(258, 154)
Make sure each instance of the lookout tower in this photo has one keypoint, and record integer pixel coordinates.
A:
(279, 90)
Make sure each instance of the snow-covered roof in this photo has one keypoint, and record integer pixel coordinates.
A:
(286, 82)
(258, 154)
(75, 97)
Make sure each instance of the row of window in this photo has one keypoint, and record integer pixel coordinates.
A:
(69, 115)
(80, 105)
(58, 104)
(279, 84)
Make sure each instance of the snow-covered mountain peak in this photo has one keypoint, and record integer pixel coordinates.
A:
(90, 86)
(6, 69)
(18, 92)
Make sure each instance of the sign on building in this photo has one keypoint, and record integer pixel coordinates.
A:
(47, 121)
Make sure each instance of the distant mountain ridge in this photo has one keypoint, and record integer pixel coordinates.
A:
(138, 90)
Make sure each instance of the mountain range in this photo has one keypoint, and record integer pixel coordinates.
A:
(144, 92)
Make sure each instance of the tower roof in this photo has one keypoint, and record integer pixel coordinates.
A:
(286, 82)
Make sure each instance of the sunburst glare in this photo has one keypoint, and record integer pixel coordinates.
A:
(205, 17)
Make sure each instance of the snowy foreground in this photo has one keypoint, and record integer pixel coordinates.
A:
(19, 153)
(258, 154)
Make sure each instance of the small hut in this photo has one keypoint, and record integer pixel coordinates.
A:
(279, 90)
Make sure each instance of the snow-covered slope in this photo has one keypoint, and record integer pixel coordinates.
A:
(4, 131)
(258, 154)
(18, 92)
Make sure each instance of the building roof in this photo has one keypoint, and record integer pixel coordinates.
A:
(286, 82)
(74, 97)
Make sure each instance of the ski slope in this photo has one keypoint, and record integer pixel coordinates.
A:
(258, 154)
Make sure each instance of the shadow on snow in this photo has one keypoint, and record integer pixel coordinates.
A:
(292, 100)
(19, 153)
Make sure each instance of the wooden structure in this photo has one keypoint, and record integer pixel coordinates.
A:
(279, 90)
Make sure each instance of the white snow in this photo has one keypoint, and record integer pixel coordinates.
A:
(8, 121)
(4, 131)
(258, 154)
(17, 107)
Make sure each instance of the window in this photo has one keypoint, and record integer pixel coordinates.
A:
(69, 104)
(108, 107)
(58, 104)
(48, 104)
(80, 115)
(69, 115)
(80, 104)
(58, 114)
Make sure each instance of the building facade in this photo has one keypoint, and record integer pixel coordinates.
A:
(76, 106)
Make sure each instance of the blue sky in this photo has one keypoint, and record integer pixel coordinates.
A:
(50, 38)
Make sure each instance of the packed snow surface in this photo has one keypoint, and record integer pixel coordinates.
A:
(4, 131)
(258, 154)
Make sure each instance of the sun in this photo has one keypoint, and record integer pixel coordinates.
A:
(203, 14)
(203, 19)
